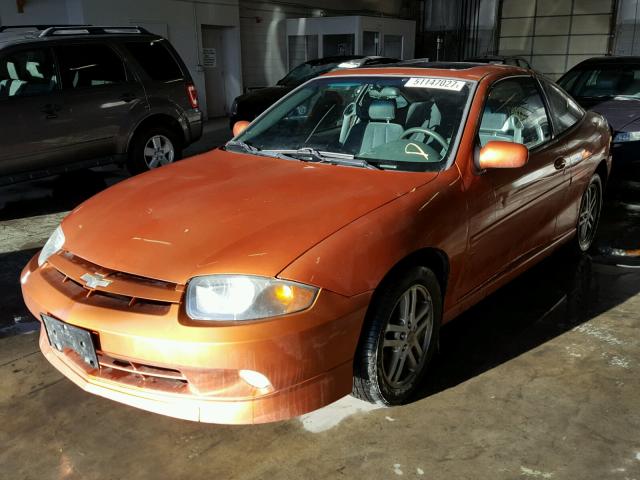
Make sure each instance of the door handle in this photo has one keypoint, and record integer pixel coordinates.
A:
(51, 110)
(127, 97)
(560, 164)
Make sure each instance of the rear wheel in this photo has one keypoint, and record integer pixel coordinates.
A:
(153, 147)
(399, 338)
(589, 216)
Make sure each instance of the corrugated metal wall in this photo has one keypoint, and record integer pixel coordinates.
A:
(554, 35)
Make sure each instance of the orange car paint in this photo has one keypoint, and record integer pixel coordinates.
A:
(341, 229)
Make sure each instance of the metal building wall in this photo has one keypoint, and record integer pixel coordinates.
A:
(456, 29)
(554, 35)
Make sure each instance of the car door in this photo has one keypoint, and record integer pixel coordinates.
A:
(34, 124)
(569, 131)
(518, 206)
(100, 92)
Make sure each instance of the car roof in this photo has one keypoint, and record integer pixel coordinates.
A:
(10, 36)
(335, 59)
(493, 57)
(609, 59)
(418, 68)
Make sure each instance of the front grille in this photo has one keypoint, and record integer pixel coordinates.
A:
(121, 290)
(141, 375)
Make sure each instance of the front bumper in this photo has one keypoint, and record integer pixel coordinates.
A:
(626, 156)
(307, 356)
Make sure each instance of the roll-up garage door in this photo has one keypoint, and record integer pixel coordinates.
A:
(554, 35)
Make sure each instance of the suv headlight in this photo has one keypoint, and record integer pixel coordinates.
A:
(623, 137)
(53, 245)
(243, 297)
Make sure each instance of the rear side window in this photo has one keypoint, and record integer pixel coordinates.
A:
(27, 73)
(90, 65)
(515, 112)
(564, 110)
(156, 60)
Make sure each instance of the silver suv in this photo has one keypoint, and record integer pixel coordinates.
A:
(80, 96)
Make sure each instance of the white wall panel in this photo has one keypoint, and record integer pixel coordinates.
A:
(554, 34)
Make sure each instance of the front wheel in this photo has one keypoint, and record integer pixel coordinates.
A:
(399, 338)
(589, 216)
(152, 148)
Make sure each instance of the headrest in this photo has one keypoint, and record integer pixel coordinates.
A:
(389, 92)
(11, 69)
(493, 121)
(384, 110)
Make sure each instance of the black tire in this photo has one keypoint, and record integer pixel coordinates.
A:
(588, 220)
(137, 163)
(374, 361)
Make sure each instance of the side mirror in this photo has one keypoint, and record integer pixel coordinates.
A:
(503, 155)
(239, 127)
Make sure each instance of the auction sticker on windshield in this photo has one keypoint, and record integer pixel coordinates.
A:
(437, 83)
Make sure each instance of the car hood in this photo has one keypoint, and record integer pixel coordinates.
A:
(618, 111)
(225, 212)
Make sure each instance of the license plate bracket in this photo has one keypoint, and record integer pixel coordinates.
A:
(62, 335)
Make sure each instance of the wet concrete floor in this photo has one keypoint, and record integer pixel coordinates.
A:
(541, 380)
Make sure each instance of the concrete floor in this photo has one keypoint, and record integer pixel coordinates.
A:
(539, 381)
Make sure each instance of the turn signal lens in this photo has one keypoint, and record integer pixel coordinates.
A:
(284, 294)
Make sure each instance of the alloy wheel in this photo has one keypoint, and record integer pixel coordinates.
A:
(407, 337)
(589, 215)
(158, 151)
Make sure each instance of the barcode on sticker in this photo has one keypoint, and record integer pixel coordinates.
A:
(437, 83)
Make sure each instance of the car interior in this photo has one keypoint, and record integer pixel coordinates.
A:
(26, 74)
(381, 116)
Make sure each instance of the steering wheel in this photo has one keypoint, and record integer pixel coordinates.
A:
(436, 136)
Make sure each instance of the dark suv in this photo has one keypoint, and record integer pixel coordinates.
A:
(80, 96)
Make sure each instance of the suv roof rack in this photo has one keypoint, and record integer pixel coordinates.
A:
(91, 30)
(4, 28)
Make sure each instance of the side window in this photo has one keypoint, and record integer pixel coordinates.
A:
(564, 110)
(89, 65)
(156, 60)
(27, 73)
(515, 112)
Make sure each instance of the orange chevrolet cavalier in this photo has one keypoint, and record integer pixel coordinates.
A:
(318, 253)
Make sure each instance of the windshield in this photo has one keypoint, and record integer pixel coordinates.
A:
(306, 71)
(396, 123)
(603, 81)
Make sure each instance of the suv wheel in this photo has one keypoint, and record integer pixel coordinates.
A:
(399, 338)
(152, 148)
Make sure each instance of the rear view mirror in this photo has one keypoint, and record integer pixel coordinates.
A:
(239, 127)
(503, 155)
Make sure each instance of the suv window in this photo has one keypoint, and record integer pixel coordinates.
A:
(156, 60)
(515, 112)
(27, 73)
(564, 110)
(89, 65)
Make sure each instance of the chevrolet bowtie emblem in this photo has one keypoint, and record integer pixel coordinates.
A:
(95, 280)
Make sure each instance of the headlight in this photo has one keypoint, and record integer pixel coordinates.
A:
(239, 297)
(53, 245)
(623, 137)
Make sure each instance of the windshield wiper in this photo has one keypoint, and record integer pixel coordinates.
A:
(245, 147)
(242, 145)
(317, 156)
